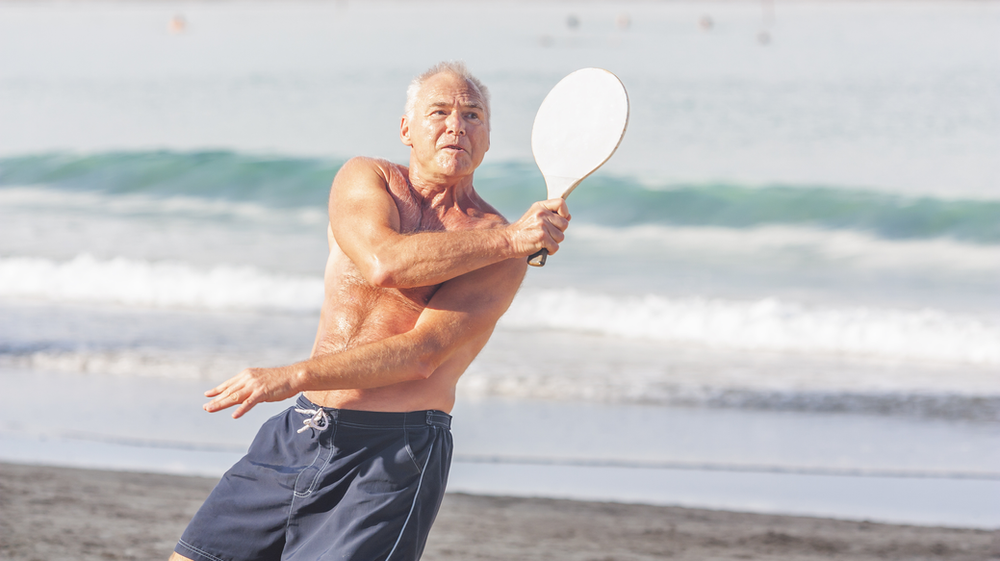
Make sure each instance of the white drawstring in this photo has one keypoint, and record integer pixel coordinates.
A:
(319, 420)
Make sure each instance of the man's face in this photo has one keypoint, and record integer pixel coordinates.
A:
(449, 132)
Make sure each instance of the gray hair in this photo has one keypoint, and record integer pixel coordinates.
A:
(455, 67)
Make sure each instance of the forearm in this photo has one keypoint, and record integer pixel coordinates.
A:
(458, 319)
(382, 363)
(374, 213)
(429, 258)
(400, 358)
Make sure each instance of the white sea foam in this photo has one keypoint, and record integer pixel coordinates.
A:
(849, 248)
(162, 284)
(97, 204)
(582, 368)
(574, 366)
(130, 362)
(768, 325)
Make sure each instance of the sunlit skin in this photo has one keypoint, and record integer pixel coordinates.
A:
(420, 270)
(448, 134)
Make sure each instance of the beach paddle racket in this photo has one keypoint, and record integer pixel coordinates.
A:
(577, 128)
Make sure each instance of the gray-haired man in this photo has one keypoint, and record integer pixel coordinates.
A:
(420, 270)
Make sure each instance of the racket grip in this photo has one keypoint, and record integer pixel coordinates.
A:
(538, 259)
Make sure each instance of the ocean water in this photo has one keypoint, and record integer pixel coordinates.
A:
(800, 231)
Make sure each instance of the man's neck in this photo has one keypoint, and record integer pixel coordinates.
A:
(438, 190)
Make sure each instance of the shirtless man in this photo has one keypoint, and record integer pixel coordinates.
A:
(420, 270)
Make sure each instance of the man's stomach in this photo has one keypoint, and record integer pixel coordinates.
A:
(436, 392)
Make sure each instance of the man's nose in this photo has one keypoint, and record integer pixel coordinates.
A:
(456, 124)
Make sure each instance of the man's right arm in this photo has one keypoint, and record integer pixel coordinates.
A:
(462, 311)
(365, 222)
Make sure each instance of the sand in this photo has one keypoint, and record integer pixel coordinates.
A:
(51, 514)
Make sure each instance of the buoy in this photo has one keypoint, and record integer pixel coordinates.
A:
(177, 24)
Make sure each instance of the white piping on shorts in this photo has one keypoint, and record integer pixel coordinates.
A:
(416, 496)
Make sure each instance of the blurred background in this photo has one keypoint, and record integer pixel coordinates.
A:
(780, 295)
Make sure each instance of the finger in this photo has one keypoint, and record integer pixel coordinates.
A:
(553, 233)
(552, 239)
(230, 385)
(215, 405)
(558, 206)
(227, 386)
(218, 389)
(247, 405)
(556, 233)
(548, 236)
(558, 221)
(226, 400)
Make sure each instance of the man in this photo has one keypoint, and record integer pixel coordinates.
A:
(420, 270)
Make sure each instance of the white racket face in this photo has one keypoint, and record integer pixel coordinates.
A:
(578, 127)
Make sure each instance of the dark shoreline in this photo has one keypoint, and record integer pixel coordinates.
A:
(50, 513)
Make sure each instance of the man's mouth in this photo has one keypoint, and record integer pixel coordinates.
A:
(454, 147)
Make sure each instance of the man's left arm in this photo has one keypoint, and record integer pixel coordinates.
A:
(462, 310)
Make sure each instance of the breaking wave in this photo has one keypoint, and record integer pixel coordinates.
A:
(617, 201)
(764, 325)
(163, 284)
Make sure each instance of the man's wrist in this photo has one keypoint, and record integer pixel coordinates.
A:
(302, 378)
(508, 249)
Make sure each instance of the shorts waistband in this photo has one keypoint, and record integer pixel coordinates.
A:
(430, 417)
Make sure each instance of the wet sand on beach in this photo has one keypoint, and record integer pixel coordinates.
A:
(52, 514)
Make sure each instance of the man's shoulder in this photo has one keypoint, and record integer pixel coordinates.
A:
(367, 165)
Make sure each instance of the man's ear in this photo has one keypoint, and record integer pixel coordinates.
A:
(404, 131)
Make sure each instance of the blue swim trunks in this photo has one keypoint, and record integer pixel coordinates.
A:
(322, 483)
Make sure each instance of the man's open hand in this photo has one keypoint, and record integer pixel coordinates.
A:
(540, 228)
(253, 386)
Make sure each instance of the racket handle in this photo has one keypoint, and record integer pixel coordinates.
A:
(538, 259)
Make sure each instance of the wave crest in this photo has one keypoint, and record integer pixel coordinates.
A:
(161, 284)
(610, 200)
(764, 325)
(768, 325)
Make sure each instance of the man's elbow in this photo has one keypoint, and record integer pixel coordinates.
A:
(431, 356)
(382, 275)
(423, 370)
